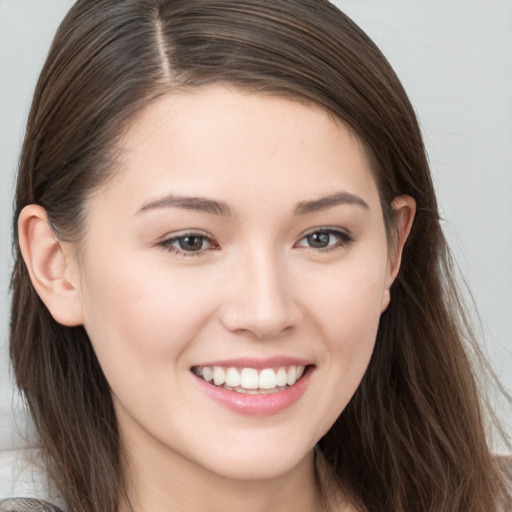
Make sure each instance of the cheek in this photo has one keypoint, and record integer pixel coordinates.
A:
(141, 321)
(347, 311)
(350, 327)
(348, 303)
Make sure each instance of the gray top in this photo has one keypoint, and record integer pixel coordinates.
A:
(27, 505)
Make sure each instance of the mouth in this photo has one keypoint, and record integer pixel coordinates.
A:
(252, 381)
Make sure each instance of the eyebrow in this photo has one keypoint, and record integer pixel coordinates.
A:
(221, 208)
(305, 207)
(189, 203)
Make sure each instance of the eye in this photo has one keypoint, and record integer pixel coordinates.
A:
(325, 239)
(188, 244)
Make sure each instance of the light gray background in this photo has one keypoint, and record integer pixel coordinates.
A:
(455, 60)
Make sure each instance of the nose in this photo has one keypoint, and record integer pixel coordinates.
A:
(262, 302)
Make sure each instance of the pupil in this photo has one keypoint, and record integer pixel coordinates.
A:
(319, 239)
(191, 243)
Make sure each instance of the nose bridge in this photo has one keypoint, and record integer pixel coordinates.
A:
(263, 302)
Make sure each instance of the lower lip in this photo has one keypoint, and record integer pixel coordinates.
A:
(256, 405)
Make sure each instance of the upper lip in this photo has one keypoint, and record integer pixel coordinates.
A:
(258, 363)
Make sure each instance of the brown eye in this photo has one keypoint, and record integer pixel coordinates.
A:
(319, 239)
(191, 243)
(325, 239)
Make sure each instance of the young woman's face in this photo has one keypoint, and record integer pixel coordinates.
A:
(241, 237)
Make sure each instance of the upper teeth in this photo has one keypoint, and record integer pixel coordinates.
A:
(250, 378)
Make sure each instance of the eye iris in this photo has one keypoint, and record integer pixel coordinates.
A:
(319, 239)
(191, 243)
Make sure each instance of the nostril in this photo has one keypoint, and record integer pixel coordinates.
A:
(261, 324)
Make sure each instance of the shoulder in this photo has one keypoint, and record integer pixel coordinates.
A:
(24, 483)
(505, 465)
(27, 505)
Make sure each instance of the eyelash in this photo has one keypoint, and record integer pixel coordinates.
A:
(343, 239)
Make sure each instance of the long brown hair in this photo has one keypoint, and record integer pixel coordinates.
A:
(413, 436)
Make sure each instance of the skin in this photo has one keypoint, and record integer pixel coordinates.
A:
(255, 289)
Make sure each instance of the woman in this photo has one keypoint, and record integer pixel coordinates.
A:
(231, 286)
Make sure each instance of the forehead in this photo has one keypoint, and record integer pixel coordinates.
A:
(220, 142)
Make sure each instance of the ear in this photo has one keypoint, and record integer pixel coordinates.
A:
(50, 265)
(404, 210)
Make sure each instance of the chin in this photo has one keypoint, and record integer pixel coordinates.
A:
(257, 464)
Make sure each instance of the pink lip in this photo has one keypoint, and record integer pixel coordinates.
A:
(249, 362)
(256, 405)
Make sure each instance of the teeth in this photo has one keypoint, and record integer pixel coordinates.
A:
(232, 378)
(250, 380)
(267, 379)
(207, 374)
(281, 377)
(219, 376)
(291, 375)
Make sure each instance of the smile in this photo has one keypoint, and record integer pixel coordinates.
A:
(251, 380)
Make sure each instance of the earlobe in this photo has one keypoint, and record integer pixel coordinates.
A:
(386, 299)
(49, 266)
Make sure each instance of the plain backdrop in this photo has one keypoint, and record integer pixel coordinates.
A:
(455, 60)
